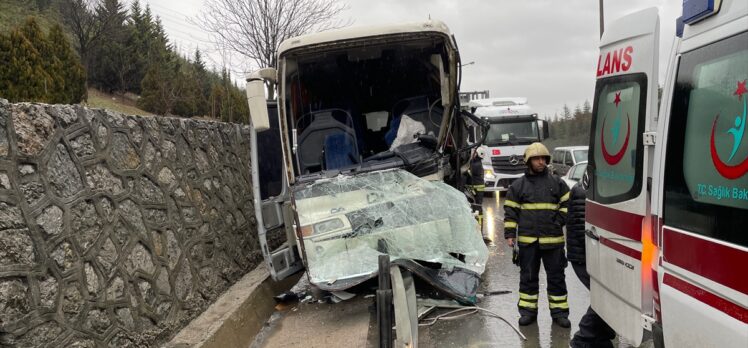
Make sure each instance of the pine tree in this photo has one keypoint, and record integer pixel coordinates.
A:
(567, 112)
(71, 70)
(109, 58)
(586, 108)
(23, 74)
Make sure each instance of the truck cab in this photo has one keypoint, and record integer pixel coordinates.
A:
(512, 127)
(373, 145)
(667, 204)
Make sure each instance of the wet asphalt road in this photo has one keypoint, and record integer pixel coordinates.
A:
(502, 274)
(353, 323)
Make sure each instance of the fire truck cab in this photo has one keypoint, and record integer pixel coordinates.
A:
(667, 202)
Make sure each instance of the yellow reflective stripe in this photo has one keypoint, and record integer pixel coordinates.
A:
(564, 305)
(526, 239)
(565, 197)
(530, 304)
(512, 204)
(564, 210)
(540, 206)
(510, 224)
(524, 296)
(551, 240)
(556, 298)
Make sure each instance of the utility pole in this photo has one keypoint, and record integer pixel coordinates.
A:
(602, 19)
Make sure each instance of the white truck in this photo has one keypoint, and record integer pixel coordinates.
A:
(667, 206)
(513, 127)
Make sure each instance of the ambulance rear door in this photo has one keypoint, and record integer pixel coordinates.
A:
(704, 284)
(625, 104)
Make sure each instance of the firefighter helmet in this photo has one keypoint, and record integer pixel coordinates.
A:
(537, 150)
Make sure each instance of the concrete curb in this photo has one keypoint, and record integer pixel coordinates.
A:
(237, 316)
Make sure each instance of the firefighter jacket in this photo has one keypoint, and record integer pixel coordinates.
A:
(535, 209)
(575, 226)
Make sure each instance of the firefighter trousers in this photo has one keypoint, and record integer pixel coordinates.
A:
(554, 261)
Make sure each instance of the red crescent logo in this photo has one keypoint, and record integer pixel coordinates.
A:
(729, 172)
(614, 159)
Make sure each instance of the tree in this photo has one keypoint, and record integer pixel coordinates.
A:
(70, 69)
(22, 67)
(90, 21)
(567, 112)
(109, 63)
(586, 108)
(255, 28)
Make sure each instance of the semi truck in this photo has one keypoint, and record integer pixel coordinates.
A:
(513, 126)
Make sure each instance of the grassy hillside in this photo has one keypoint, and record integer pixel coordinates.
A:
(114, 102)
(14, 12)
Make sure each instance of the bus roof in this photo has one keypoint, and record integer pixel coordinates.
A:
(434, 26)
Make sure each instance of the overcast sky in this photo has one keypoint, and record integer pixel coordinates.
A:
(545, 50)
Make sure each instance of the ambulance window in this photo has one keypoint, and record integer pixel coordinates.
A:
(706, 171)
(618, 119)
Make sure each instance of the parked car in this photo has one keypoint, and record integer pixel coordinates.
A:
(575, 174)
(565, 157)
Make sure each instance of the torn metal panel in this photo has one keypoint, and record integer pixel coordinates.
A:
(348, 221)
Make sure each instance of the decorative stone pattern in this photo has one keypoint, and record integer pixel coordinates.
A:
(117, 230)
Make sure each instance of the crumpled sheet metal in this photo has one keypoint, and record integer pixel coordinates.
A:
(348, 221)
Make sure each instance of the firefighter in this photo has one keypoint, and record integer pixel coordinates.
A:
(593, 332)
(535, 210)
(476, 185)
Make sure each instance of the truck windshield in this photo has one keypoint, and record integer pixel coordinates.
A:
(512, 133)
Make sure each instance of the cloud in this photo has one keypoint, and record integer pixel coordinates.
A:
(542, 49)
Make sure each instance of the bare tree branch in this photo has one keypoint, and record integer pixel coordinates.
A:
(255, 28)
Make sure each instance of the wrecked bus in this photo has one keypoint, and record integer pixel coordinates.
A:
(373, 144)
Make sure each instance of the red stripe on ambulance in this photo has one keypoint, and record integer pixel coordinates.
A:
(717, 262)
(707, 298)
(622, 223)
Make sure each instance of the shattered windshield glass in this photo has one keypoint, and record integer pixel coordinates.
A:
(348, 221)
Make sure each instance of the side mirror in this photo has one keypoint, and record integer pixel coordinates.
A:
(546, 129)
(258, 109)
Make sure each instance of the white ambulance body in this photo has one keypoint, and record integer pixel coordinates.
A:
(667, 206)
(513, 126)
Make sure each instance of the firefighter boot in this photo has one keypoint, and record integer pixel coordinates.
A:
(527, 320)
(562, 322)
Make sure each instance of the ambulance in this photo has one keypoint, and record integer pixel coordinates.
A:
(667, 202)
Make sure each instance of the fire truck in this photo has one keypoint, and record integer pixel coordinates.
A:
(667, 202)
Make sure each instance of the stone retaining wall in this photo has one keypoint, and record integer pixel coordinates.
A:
(117, 230)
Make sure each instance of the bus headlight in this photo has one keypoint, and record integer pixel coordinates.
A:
(328, 226)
